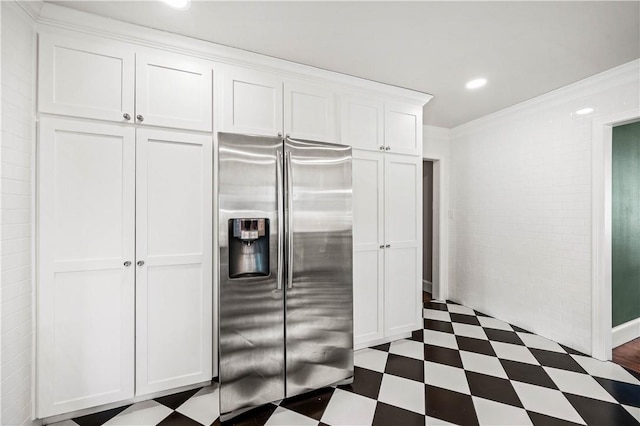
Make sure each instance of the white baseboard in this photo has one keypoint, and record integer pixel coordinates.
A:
(427, 286)
(625, 332)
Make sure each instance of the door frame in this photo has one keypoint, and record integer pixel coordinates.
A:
(440, 247)
(601, 156)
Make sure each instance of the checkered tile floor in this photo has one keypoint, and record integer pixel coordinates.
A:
(462, 368)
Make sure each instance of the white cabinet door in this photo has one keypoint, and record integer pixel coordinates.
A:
(174, 240)
(368, 256)
(403, 235)
(403, 129)
(252, 102)
(362, 123)
(86, 77)
(310, 111)
(86, 185)
(173, 91)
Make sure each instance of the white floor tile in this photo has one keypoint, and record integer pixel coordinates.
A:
(546, 401)
(514, 352)
(408, 348)
(635, 411)
(432, 421)
(482, 364)
(494, 323)
(283, 417)
(447, 377)
(403, 393)
(438, 338)
(346, 408)
(204, 406)
(495, 413)
(371, 359)
(436, 315)
(578, 384)
(459, 309)
(605, 369)
(539, 342)
(142, 413)
(469, 330)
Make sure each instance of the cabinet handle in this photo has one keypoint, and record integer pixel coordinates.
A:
(382, 148)
(126, 116)
(382, 246)
(288, 135)
(127, 263)
(388, 245)
(279, 134)
(388, 148)
(140, 117)
(140, 262)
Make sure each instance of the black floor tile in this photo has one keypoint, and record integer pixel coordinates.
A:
(541, 420)
(527, 373)
(480, 314)
(449, 406)
(365, 382)
(478, 346)
(442, 355)
(177, 399)
(624, 393)
(521, 330)
(556, 360)
(384, 347)
(177, 419)
(409, 368)
(100, 418)
(386, 415)
(436, 306)
(595, 412)
(464, 319)
(311, 404)
(572, 351)
(256, 417)
(436, 325)
(503, 336)
(493, 388)
(418, 336)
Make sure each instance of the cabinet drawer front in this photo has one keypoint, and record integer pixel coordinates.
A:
(173, 91)
(85, 77)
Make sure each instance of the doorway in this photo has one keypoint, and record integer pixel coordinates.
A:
(427, 227)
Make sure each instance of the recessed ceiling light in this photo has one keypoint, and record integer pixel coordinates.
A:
(178, 4)
(584, 111)
(478, 82)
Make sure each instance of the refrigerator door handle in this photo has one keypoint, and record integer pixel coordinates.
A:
(289, 221)
(280, 202)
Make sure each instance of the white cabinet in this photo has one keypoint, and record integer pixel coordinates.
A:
(86, 187)
(100, 79)
(174, 259)
(261, 103)
(386, 242)
(108, 200)
(403, 129)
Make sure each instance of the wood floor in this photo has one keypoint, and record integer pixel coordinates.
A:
(628, 355)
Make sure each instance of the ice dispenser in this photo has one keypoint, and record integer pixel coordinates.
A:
(248, 248)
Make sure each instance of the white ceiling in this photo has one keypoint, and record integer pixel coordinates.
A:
(524, 49)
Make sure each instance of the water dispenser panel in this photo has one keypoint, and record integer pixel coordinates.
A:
(248, 247)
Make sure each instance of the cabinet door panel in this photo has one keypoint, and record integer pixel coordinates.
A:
(362, 123)
(403, 234)
(174, 240)
(368, 257)
(310, 112)
(85, 77)
(252, 102)
(85, 293)
(174, 91)
(403, 129)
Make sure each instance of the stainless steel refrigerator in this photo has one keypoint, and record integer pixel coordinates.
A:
(286, 299)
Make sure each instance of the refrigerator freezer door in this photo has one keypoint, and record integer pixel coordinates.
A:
(251, 307)
(319, 296)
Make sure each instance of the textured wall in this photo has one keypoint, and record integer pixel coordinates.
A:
(521, 194)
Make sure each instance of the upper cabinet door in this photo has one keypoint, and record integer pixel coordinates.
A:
(362, 123)
(86, 77)
(403, 129)
(252, 102)
(173, 91)
(310, 112)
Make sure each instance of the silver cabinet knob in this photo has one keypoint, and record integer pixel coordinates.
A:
(279, 134)
(288, 135)
(388, 245)
(382, 148)
(140, 117)
(387, 148)
(127, 263)
(382, 246)
(126, 116)
(140, 262)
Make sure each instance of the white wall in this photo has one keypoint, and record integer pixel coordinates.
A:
(18, 38)
(521, 194)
